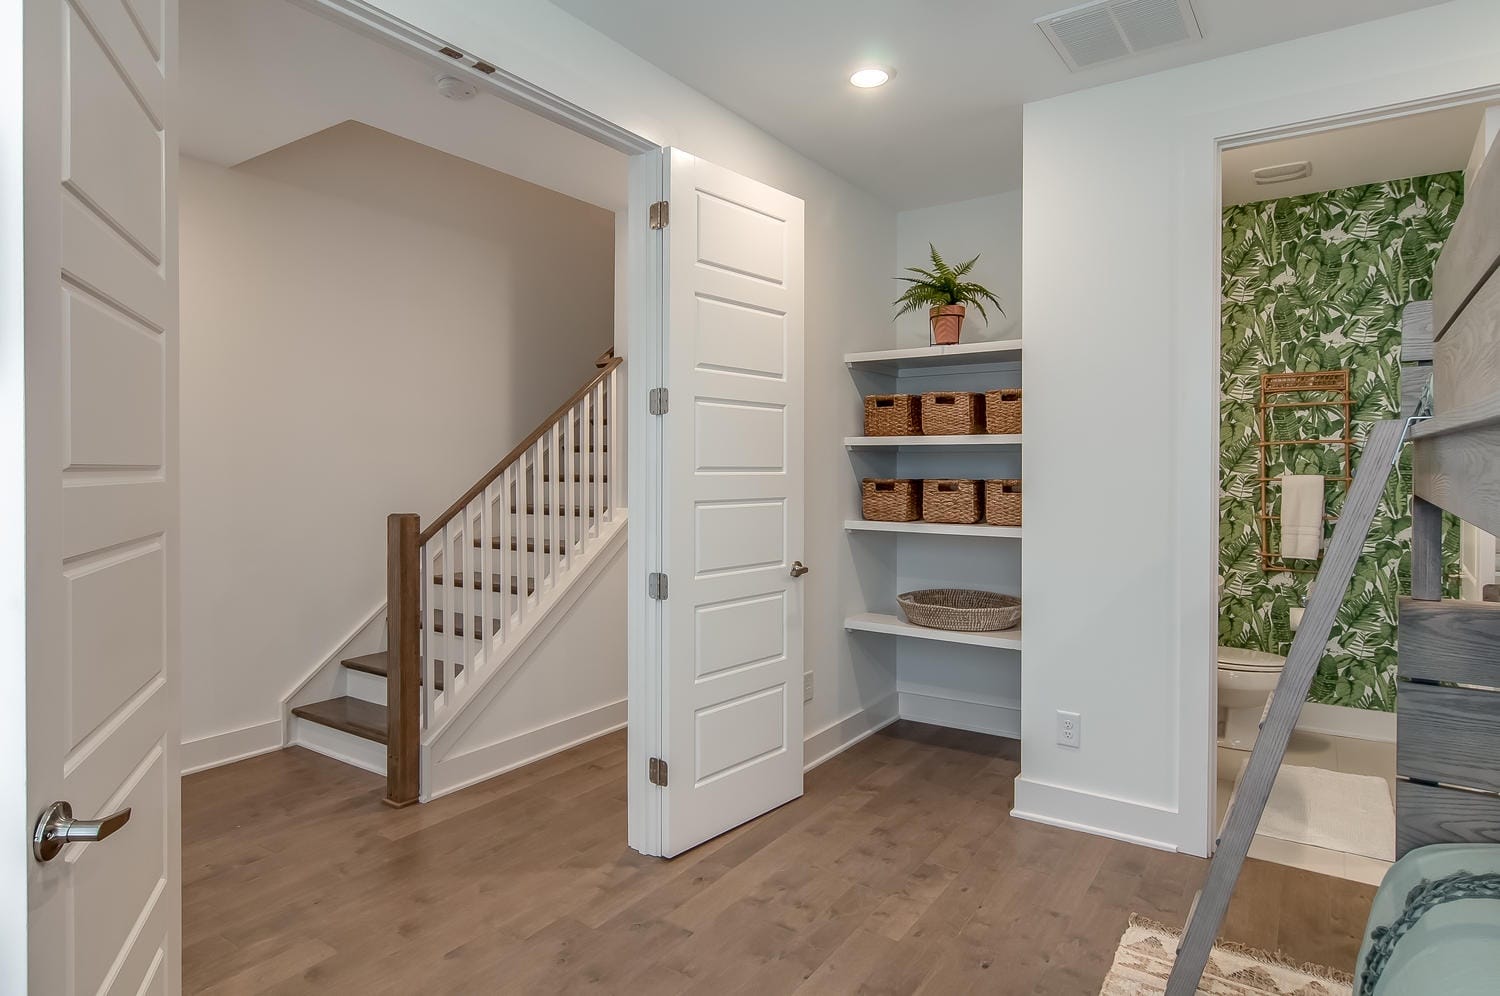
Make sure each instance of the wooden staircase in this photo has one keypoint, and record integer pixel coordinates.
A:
(462, 591)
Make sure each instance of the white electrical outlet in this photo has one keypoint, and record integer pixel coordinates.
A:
(807, 686)
(1069, 729)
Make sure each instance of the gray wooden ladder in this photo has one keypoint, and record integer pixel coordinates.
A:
(1380, 453)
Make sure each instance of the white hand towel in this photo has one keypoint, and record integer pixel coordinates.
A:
(1301, 516)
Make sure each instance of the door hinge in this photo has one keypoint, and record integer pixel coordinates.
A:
(657, 399)
(656, 586)
(660, 214)
(656, 772)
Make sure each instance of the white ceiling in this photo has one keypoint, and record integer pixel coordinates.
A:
(258, 74)
(1394, 149)
(948, 127)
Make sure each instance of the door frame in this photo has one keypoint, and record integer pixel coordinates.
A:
(1198, 725)
(645, 352)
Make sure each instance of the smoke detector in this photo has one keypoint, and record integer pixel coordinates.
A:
(1284, 173)
(1092, 34)
(456, 88)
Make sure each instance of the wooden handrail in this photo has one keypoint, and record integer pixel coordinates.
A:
(606, 363)
(605, 357)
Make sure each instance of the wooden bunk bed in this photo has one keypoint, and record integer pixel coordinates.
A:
(1448, 715)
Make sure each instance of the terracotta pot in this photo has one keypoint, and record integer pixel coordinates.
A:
(947, 322)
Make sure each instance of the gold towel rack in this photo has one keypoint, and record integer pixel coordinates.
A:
(1275, 390)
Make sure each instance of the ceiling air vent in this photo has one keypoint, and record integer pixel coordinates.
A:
(1282, 174)
(1095, 33)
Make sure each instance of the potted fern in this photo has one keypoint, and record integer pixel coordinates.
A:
(944, 292)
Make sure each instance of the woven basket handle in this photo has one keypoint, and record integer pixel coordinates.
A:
(885, 402)
(945, 399)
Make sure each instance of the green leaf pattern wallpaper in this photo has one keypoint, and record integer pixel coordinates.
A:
(1318, 282)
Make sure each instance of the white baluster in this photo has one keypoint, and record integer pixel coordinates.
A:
(507, 538)
(598, 435)
(612, 485)
(569, 439)
(424, 632)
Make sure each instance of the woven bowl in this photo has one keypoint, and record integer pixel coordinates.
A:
(961, 609)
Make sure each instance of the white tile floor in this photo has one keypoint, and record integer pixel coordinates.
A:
(1316, 750)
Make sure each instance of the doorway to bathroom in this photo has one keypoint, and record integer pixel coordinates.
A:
(1327, 238)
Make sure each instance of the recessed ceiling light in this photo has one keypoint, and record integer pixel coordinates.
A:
(871, 76)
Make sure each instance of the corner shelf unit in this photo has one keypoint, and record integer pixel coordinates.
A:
(975, 366)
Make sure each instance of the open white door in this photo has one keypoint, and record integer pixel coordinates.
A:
(732, 502)
(99, 416)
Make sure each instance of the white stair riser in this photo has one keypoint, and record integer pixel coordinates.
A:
(363, 685)
(346, 747)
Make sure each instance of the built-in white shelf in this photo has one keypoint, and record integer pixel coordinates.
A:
(933, 528)
(880, 622)
(982, 442)
(964, 355)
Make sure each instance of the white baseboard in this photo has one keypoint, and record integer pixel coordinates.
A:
(1341, 721)
(838, 736)
(1102, 815)
(340, 746)
(232, 745)
(998, 717)
(458, 771)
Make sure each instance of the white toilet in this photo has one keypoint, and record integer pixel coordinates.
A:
(1246, 680)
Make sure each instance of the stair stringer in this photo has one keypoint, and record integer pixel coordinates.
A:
(443, 771)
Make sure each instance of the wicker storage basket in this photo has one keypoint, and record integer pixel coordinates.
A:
(961, 609)
(1002, 411)
(952, 414)
(893, 415)
(888, 500)
(1002, 502)
(946, 500)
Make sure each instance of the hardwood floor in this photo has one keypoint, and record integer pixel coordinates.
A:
(900, 871)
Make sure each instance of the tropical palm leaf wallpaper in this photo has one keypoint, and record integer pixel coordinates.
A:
(1318, 282)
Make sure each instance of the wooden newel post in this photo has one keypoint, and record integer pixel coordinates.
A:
(403, 668)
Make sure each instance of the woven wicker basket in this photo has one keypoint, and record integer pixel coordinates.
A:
(893, 415)
(1002, 411)
(952, 414)
(961, 609)
(886, 500)
(946, 500)
(1002, 502)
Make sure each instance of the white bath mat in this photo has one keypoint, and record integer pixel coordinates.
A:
(1332, 810)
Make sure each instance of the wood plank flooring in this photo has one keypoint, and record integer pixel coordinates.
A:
(900, 871)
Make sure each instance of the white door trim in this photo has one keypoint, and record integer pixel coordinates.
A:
(1211, 134)
(645, 288)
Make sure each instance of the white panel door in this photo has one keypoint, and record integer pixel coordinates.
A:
(101, 506)
(733, 502)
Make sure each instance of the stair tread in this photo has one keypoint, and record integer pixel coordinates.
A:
(496, 543)
(495, 583)
(376, 664)
(351, 715)
(437, 627)
(547, 510)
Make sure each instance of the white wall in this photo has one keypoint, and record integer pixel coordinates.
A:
(1121, 247)
(987, 226)
(367, 326)
(849, 235)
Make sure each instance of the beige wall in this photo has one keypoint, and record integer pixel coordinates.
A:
(367, 326)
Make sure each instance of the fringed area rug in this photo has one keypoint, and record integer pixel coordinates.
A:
(1144, 958)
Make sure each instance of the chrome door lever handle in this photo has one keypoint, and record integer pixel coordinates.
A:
(56, 827)
(798, 570)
